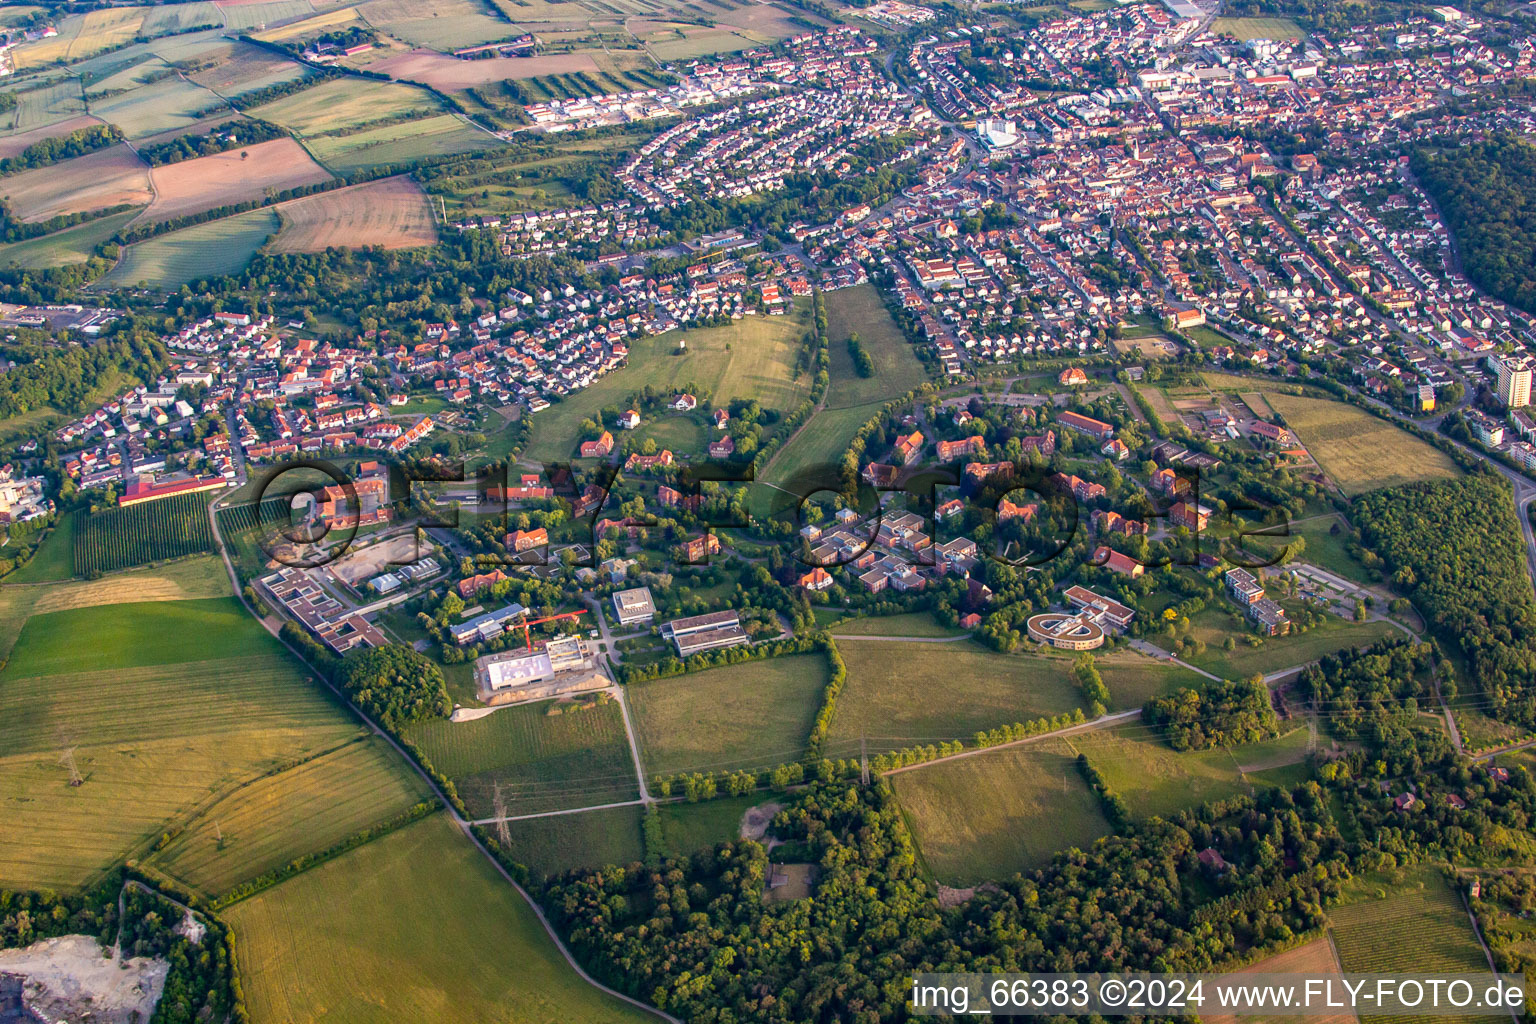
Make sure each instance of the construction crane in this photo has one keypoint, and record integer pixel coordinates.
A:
(526, 622)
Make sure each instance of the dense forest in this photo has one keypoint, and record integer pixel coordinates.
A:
(1218, 714)
(1487, 194)
(65, 379)
(1455, 548)
(395, 685)
(51, 151)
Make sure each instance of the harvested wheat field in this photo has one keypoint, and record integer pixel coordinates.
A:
(450, 75)
(392, 213)
(108, 177)
(13, 145)
(233, 177)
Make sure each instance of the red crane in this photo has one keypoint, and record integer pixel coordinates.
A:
(526, 622)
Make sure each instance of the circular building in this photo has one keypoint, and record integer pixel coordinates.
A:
(1066, 630)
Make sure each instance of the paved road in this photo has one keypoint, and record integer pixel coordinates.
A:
(1162, 655)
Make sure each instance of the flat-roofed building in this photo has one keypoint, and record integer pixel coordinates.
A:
(563, 665)
(631, 606)
(1102, 610)
(706, 632)
(487, 626)
(1244, 587)
(1067, 632)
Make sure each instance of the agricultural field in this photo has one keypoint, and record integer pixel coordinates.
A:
(897, 369)
(344, 104)
(401, 930)
(245, 16)
(438, 24)
(160, 106)
(753, 715)
(122, 537)
(302, 810)
(451, 74)
(687, 42)
(301, 28)
(942, 691)
(198, 577)
(1414, 925)
(1358, 451)
(543, 762)
(170, 19)
(1152, 777)
(178, 732)
(48, 104)
(752, 358)
(13, 145)
(72, 245)
(204, 250)
(557, 843)
(243, 68)
(82, 35)
(1315, 958)
(391, 213)
(1000, 812)
(237, 176)
(109, 177)
(399, 144)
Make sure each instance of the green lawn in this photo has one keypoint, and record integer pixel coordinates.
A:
(1134, 679)
(1277, 652)
(54, 559)
(543, 762)
(688, 828)
(1154, 779)
(909, 624)
(753, 715)
(564, 842)
(821, 441)
(417, 926)
(1004, 811)
(905, 694)
(752, 358)
(859, 311)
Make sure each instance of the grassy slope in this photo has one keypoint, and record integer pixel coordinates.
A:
(750, 715)
(416, 926)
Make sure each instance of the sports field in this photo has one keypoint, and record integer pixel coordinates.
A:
(153, 728)
(1000, 812)
(752, 358)
(753, 715)
(109, 177)
(236, 176)
(400, 144)
(544, 762)
(342, 104)
(566, 842)
(902, 694)
(859, 311)
(416, 926)
(204, 250)
(304, 809)
(1257, 28)
(1360, 452)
